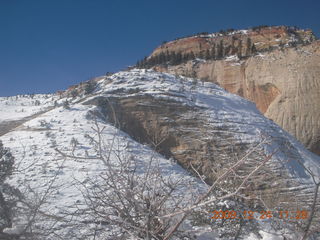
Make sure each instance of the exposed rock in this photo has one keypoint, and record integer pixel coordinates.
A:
(199, 125)
(284, 84)
(242, 43)
(208, 128)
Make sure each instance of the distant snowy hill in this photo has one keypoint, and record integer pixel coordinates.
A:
(21, 106)
(52, 143)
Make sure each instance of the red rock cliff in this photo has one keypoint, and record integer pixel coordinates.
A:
(283, 82)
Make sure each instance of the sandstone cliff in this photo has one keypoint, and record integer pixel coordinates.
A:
(203, 126)
(198, 125)
(242, 43)
(284, 83)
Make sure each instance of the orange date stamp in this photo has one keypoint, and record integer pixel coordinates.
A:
(281, 214)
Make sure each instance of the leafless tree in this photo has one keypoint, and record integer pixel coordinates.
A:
(307, 230)
(134, 198)
(26, 203)
(137, 200)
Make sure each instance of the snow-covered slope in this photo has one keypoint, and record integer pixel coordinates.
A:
(21, 106)
(222, 109)
(39, 166)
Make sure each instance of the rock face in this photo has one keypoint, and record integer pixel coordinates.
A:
(199, 125)
(242, 43)
(284, 83)
(203, 126)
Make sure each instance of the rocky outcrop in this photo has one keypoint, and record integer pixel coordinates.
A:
(284, 84)
(203, 127)
(199, 125)
(242, 43)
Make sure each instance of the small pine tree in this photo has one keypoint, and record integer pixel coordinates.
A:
(208, 55)
(213, 52)
(239, 51)
(144, 62)
(201, 55)
(74, 93)
(192, 56)
(138, 64)
(179, 58)
(6, 168)
(228, 50)
(249, 46)
(66, 104)
(253, 49)
(185, 57)
(220, 50)
(89, 87)
(173, 58)
(6, 163)
(162, 58)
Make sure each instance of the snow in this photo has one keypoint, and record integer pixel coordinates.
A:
(244, 31)
(214, 35)
(21, 106)
(37, 162)
(223, 107)
(274, 235)
(232, 58)
(261, 55)
(265, 236)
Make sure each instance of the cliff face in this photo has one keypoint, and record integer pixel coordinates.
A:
(284, 83)
(198, 125)
(203, 126)
(242, 43)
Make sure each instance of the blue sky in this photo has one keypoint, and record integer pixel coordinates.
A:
(48, 45)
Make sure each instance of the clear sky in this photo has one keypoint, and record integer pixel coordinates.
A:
(48, 45)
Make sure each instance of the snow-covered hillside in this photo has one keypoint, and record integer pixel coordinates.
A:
(41, 167)
(41, 145)
(223, 109)
(21, 106)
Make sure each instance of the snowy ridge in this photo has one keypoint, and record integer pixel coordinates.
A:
(21, 106)
(222, 108)
(34, 149)
(34, 143)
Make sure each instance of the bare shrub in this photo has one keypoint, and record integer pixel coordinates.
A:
(132, 198)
